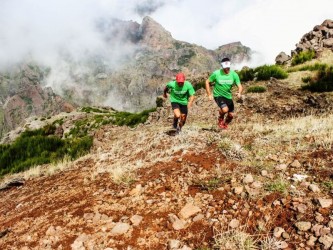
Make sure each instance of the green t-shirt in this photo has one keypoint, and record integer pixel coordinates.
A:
(224, 82)
(180, 94)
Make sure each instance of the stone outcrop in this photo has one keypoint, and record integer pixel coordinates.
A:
(282, 58)
(320, 37)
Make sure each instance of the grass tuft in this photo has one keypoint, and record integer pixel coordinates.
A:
(322, 82)
(262, 73)
(280, 186)
(302, 57)
(265, 72)
(256, 89)
(234, 239)
(246, 74)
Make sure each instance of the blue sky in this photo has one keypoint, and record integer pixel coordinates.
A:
(40, 28)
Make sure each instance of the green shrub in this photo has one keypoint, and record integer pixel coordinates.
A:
(306, 79)
(49, 129)
(314, 67)
(60, 122)
(80, 128)
(98, 119)
(302, 57)
(265, 72)
(92, 109)
(322, 82)
(27, 150)
(36, 147)
(77, 147)
(246, 74)
(130, 119)
(256, 89)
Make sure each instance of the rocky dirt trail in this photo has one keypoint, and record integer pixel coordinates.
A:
(261, 184)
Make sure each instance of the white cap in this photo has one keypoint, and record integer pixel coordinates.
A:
(225, 64)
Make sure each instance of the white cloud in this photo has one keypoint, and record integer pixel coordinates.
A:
(42, 28)
(267, 26)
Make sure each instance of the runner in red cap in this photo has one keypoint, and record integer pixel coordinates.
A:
(181, 98)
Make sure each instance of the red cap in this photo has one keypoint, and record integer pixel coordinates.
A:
(180, 77)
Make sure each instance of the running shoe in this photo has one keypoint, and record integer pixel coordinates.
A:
(175, 124)
(221, 123)
(178, 129)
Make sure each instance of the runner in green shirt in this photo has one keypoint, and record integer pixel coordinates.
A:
(223, 80)
(181, 98)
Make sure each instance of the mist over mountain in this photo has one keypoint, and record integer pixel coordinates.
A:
(137, 60)
(131, 63)
(126, 68)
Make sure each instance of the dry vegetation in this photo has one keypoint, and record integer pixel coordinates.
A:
(260, 177)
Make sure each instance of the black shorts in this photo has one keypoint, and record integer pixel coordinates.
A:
(181, 107)
(225, 102)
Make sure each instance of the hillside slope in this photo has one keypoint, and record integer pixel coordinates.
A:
(266, 182)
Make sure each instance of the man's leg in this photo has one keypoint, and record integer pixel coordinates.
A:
(183, 115)
(182, 120)
(221, 102)
(176, 116)
(230, 114)
(229, 118)
(222, 113)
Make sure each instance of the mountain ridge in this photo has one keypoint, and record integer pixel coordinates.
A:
(151, 58)
(264, 183)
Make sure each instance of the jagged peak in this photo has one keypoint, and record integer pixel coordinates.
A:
(154, 34)
(238, 43)
(147, 21)
(328, 23)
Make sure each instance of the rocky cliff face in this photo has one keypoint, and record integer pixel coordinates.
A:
(22, 96)
(32, 100)
(154, 35)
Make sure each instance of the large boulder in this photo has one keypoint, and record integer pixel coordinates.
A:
(320, 37)
(282, 58)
